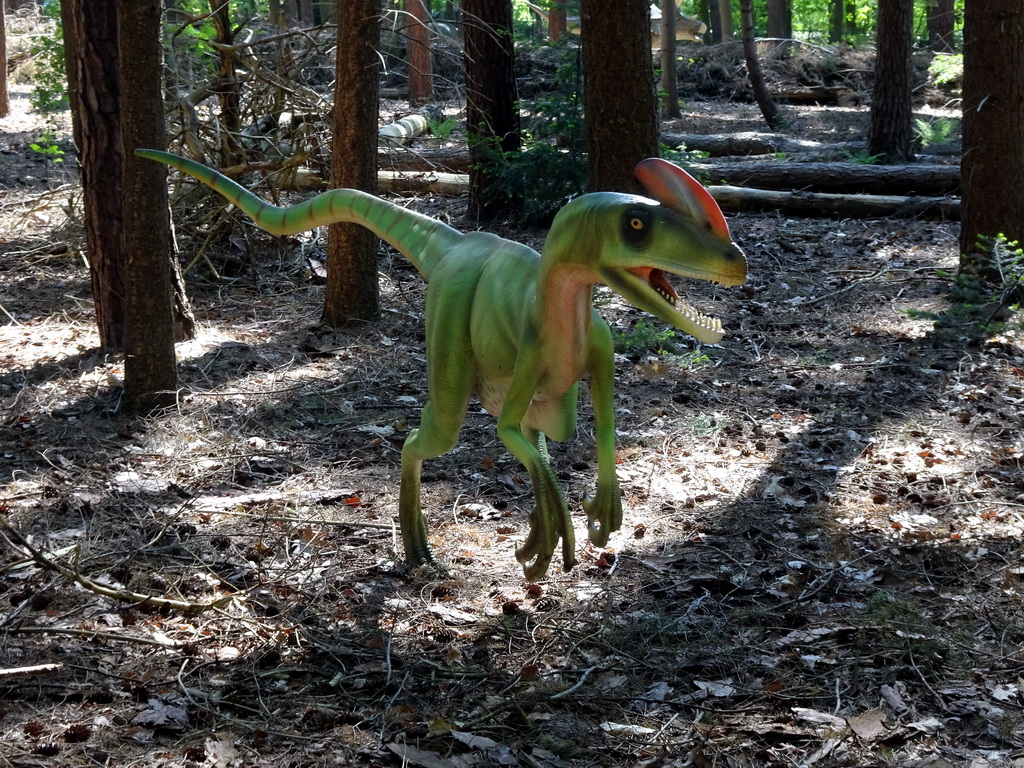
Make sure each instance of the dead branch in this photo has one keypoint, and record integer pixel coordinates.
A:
(50, 562)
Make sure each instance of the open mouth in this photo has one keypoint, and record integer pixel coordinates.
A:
(656, 279)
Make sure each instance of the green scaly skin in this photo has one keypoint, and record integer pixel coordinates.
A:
(518, 328)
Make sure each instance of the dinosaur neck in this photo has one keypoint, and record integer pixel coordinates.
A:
(565, 303)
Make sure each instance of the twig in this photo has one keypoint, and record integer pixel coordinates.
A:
(50, 563)
(573, 689)
(90, 633)
(37, 669)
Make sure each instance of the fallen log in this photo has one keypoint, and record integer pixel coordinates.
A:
(842, 178)
(398, 182)
(443, 159)
(752, 143)
(759, 143)
(743, 199)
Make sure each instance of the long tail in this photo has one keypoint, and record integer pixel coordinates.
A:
(419, 238)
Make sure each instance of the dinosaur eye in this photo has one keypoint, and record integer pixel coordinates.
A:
(636, 226)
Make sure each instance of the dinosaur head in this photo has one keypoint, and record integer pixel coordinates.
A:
(680, 231)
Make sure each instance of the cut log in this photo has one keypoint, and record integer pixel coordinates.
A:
(759, 143)
(443, 159)
(742, 199)
(437, 183)
(843, 178)
(750, 143)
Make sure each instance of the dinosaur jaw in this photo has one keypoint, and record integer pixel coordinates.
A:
(648, 289)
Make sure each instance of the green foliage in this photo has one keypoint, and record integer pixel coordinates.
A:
(931, 132)
(645, 336)
(50, 91)
(46, 145)
(861, 158)
(442, 129)
(549, 170)
(947, 70)
(985, 294)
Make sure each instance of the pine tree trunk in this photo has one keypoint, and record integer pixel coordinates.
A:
(91, 41)
(421, 65)
(150, 373)
(492, 116)
(754, 73)
(5, 104)
(941, 25)
(992, 169)
(618, 92)
(669, 80)
(890, 135)
(352, 292)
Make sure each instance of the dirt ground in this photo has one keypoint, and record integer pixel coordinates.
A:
(820, 562)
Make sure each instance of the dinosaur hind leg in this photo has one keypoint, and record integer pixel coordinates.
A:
(436, 436)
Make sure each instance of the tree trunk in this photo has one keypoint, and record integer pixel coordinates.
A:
(421, 65)
(993, 128)
(91, 40)
(556, 21)
(724, 20)
(352, 291)
(941, 25)
(775, 11)
(836, 22)
(890, 134)
(5, 104)
(620, 102)
(669, 79)
(761, 95)
(492, 117)
(150, 373)
(227, 88)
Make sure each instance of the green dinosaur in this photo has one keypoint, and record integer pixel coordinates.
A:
(518, 328)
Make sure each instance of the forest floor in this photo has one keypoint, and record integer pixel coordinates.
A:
(820, 564)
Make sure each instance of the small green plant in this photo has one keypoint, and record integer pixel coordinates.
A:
(861, 158)
(50, 85)
(985, 294)
(46, 145)
(947, 70)
(442, 129)
(645, 336)
(932, 132)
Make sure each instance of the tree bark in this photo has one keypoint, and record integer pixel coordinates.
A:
(556, 21)
(724, 20)
(993, 127)
(890, 135)
(93, 46)
(150, 372)
(421, 64)
(618, 92)
(352, 291)
(669, 79)
(492, 117)
(941, 25)
(227, 88)
(5, 104)
(764, 100)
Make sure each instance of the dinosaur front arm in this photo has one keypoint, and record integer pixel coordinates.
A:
(604, 510)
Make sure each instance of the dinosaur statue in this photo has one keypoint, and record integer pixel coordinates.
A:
(519, 329)
(687, 27)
